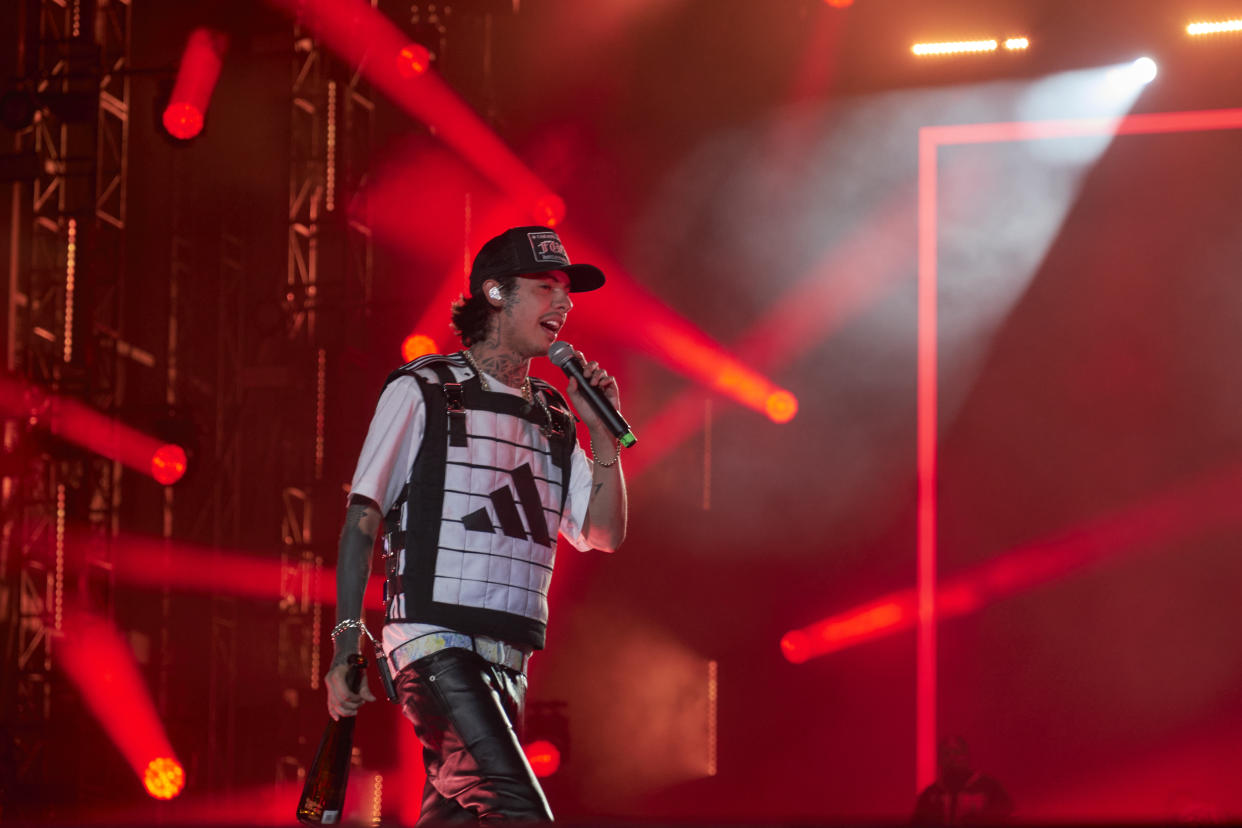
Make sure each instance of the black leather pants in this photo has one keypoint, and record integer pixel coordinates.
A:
(466, 712)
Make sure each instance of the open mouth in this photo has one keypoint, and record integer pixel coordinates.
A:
(552, 326)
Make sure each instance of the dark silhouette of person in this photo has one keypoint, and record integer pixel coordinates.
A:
(961, 795)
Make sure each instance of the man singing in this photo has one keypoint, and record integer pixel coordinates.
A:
(473, 468)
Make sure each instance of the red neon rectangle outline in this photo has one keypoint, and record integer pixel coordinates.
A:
(931, 138)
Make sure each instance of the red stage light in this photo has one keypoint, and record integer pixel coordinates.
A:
(550, 210)
(544, 758)
(98, 659)
(781, 406)
(164, 778)
(413, 60)
(796, 646)
(78, 423)
(839, 4)
(168, 464)
(416, 345)
(183, 121)
(848, 628)
(358, 32)
(196, 80)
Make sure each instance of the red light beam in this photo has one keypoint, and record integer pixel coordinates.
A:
(100, 664)
(78, 423)
(633, 317)
(1203, 506)
(637, 319)
(930, 140)
(847, 279)
(196, 80)
(156, 563)
(367, 40)
(184, 567)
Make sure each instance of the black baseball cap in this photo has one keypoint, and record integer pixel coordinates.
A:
(522, 250)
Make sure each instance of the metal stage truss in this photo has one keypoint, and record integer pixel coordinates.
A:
(66, 259)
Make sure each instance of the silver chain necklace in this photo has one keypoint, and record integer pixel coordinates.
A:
(527, 394)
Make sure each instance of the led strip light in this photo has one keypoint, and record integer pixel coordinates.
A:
(960, 47)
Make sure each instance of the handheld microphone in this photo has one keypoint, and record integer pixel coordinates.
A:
(562, 356)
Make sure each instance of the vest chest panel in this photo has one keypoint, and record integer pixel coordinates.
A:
(482, 513)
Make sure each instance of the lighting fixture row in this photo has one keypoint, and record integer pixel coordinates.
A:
(1208, 27)
(1016, 44)
(958, 47)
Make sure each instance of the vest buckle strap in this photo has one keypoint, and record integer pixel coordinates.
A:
(452, 392)
(394, 545)
(557, 418)
(456, 407)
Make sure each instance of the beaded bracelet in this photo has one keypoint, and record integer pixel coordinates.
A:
(610, 463)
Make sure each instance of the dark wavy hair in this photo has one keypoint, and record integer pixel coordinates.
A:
(472, 314)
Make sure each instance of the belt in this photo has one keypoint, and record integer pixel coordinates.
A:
(497, 652)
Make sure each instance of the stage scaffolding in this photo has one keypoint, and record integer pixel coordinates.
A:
(70, 330)
(66, 241)
(330, 273)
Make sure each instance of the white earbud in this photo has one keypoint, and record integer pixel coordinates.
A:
(494, 293)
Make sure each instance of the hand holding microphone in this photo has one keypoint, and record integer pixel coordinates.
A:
(563, 356)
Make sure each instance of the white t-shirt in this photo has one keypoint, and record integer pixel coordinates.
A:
(388, 455)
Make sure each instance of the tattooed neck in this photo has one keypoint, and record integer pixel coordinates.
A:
(502, 364)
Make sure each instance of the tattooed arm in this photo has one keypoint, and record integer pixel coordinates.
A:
(608, 509)
(353, 570)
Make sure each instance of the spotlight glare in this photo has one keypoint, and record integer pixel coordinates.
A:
(168, 464)
(839, 4)
(183, 120)
(781, 406)
(1017, 43)
(413, 60)
(544, 758)
(1129, 76)
(416, 345)
(1214, 27)
(164, 778)
(550, 209)
(796, 645)
(953, 47)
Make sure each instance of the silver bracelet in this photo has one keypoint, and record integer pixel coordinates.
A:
(381, 659)
(349, 624)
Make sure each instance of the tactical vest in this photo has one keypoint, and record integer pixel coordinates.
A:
(471, 543)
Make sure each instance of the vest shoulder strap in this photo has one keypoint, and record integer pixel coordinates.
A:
(564, 429)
